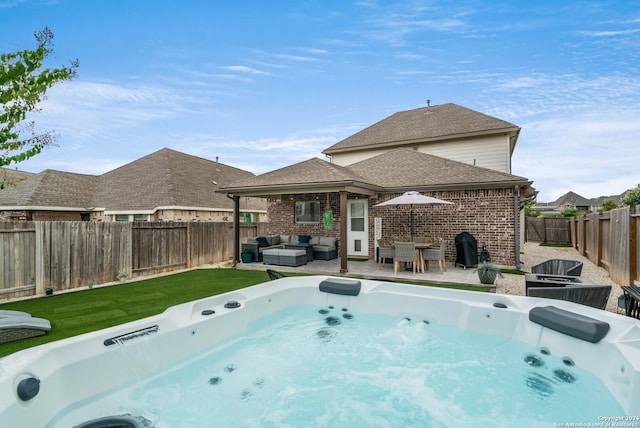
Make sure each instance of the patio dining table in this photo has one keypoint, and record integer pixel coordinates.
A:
(420, 246)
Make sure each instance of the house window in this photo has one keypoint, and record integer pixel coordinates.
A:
(122, 217)
(308, 212)
(140, 217)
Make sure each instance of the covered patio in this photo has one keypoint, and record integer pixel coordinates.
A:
(370, 269)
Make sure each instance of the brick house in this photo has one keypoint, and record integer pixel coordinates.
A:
(396, 155)
(166, 185)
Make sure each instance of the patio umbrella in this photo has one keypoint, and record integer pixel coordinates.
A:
(412, 198)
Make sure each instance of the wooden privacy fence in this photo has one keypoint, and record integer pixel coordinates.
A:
(610, 240)
(548, 230)
(69, 255)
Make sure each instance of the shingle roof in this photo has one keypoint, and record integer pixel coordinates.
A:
(391, 171)
(10, 176)
(51, 188)
(423, 124)
(311, 172)
(166, 178)
(407, 168)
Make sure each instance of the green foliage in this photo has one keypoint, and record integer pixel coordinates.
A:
(631, 197)
(327, 220)
(571, 212)
(489, 267)
(246, 217)
(528, 211)
(608, 205)
(23, 83)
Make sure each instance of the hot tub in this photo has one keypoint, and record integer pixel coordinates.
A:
(67, 383)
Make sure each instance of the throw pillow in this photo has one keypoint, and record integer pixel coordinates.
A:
(262, 241)
(304, 239)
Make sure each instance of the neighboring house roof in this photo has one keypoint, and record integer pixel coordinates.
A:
(394, 171)
(164, 179)
(572, 199)
(50, 189)
(434, 123)
(10, 177)
(168, 178)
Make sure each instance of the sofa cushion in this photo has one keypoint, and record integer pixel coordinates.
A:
(328, 240)
(304, 239)
(262, 241)
(285, 239)
(314, 240)
(273, 239)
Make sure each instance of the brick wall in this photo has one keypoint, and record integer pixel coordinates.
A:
(486, 214)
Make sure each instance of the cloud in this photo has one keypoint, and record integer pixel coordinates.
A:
(245, 69)
(611, 33)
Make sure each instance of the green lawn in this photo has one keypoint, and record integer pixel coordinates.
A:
(81, 312)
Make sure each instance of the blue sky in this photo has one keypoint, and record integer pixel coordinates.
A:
(263, 84)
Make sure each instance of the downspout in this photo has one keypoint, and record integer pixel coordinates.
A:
(516, 222)
(236, 229)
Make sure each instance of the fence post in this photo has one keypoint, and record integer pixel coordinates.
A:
(633, 247)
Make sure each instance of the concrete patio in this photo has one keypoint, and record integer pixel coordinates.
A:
(369, 269)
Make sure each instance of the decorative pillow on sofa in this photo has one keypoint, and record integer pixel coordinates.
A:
(262, 241)
(304, 239)
(329, 241)
(285, 239)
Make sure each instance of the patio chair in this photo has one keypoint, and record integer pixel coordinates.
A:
(405, 252)
(437, 255)
(595, 296)
(384, 252)
(274, 274)
(420, 239)
(558, 267)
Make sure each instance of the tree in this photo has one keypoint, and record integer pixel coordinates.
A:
(631, 197)
(23, 83)
(608, 205)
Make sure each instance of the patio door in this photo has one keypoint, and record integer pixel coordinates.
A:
(358, 227)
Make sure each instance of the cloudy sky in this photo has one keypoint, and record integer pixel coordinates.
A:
(262, 85)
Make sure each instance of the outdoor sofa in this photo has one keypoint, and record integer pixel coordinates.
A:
(322, 247)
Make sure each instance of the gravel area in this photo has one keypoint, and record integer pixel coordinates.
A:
(534, 253)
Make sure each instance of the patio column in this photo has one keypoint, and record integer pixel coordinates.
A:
(235, 258)
(343, 232)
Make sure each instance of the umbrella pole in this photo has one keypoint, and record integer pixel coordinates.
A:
(411, 217)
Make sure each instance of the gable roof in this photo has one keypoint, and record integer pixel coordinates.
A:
(393, 171)
(311, 175)
(168, 178)
(572, 199)
(163, 179)
(434, 123)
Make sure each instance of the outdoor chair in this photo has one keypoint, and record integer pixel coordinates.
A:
(595, 296)
(437, 255)
(384, 252)
(405, 252)
(419, 239)
(274, 274)
(558, 267)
